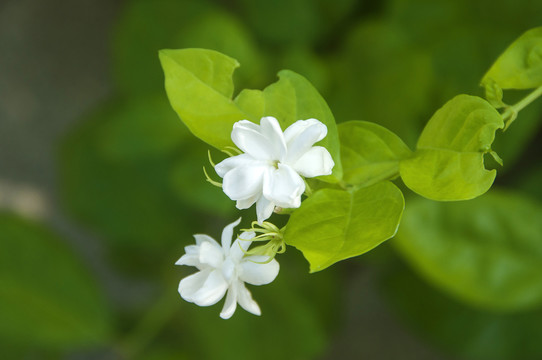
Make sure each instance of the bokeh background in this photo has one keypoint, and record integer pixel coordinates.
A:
(101, 185)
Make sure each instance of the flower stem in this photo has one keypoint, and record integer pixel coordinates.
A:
(510, 113)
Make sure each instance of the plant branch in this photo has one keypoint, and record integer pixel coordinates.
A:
(510, 113)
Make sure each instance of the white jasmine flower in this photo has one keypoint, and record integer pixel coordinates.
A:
(225, 269)
(268, 173)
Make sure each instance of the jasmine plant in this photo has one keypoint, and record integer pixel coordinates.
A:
(355, 206)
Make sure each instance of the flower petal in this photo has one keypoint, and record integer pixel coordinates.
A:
(248, 137)
(229, 270)
(232, 162)
(254, 272)
(283, 187)
(211, 254)
(192, 283)
(270, 129)
(212, 291)
(201, 238)
(231, 302)
(240, 246)
(248, 202)
(191, 258)
(264, 209)
(244, 298)
(301, 136)
(315, 162)
(244, 182)
(227, 235)
(192, 252)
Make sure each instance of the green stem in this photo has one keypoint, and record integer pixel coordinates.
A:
(510, 114)
(308, 190)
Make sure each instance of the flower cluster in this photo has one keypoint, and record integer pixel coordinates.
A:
(269, 173)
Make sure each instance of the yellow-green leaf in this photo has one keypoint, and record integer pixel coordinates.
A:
(199, 87)
(333, 225)
(449, 161)
(370, 153)
(520, 65)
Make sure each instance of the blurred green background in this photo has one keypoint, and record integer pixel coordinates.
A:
(101, 185)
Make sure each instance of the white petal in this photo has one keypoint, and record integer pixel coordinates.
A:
(244, 298)
(254, 272)
(191, 284)
(230, 304)
(192, 252)
(189, 260)
(229, 270)
(248, 202)
(211, 254)
(284, 187)
(264, 209)
(227, 235)
(212, 291)
(248, 137)
(301, 136)
(301, 126)
(270, 129)
(315, 162)
(240, 246)
(201, 238)
(244, 182)
(232, 162)
(192, 249)
(247, 124)
(191, 256)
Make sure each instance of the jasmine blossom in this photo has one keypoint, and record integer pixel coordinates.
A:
(225, 269)
(269, 171)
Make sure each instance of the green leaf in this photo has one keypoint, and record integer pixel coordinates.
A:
(333, 225)
(294, 98)
(520, 65)
(464, 331)
(449, 161)
(486, 251)
(494, 94)
(199, 87)
(48, 298)
(370, 153)
(252, 102)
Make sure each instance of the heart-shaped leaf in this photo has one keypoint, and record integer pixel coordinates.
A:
(449, 161)
(333, 225)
